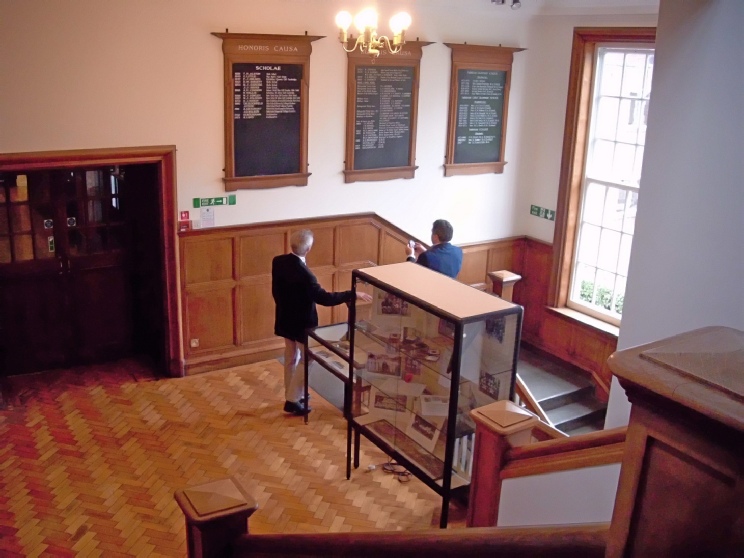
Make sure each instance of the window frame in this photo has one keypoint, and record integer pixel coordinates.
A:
(586, 42)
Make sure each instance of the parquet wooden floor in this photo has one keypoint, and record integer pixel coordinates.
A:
(89, 463)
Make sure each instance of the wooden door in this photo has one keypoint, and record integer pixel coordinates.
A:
(63, 269)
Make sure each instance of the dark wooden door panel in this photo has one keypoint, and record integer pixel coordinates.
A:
(100, 304)
(67, 298)
(33, 324)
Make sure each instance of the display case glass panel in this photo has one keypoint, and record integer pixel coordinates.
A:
(428, 351)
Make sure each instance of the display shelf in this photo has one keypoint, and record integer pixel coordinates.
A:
(428, 351)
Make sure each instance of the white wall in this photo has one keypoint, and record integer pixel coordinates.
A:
(91, 74)
(575, 496)
(686, 267)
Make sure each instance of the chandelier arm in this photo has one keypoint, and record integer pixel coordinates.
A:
(392, 49)
(358, 42)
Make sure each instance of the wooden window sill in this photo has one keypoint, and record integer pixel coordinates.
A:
(587, 321)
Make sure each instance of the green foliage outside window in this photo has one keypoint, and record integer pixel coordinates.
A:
(603, 297)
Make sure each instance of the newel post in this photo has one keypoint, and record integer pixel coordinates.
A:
(498, 427)
(216, 515)
(503, 283)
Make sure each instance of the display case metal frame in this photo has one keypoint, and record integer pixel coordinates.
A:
(424, 288)
(321, 335)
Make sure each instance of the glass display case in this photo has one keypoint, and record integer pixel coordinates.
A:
(428, 351)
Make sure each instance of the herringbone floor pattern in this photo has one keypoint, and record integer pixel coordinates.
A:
(89, 468)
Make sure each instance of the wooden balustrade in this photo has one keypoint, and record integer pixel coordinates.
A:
(573, 541)
(530, 402)
(505, 448)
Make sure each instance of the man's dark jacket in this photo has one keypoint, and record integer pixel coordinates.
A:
(296, 291)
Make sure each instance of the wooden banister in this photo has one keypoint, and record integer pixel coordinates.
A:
(542, 432)
(571, 444)
(504, 449)
(561, 541)
(529, 400)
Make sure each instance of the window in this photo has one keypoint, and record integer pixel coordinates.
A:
(601, 170)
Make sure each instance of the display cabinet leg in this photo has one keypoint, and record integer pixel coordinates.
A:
(357, 443)
(307, 379)
(348, 450)
(445, 512)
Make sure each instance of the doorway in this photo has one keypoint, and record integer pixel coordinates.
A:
(86, 260)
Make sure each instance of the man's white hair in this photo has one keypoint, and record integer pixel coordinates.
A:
(301, 241)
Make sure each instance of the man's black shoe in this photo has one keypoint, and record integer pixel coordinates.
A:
(297, 409)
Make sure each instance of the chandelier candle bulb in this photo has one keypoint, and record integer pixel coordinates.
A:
(368, 41)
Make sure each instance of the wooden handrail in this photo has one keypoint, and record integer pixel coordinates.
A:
(569, 444)
(529, 400)
(585, 450)
(544, 432)
(573, 541)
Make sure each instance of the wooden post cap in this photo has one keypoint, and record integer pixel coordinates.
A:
(504, 276)
(504, 417)
(215, 500)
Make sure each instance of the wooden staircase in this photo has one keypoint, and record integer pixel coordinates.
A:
(559, 394)
(566, 396)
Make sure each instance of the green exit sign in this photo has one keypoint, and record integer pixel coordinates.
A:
(206, 202)
(538, 211)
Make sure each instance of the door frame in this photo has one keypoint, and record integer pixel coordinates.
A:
(165, 157)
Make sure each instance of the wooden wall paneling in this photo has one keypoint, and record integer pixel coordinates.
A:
(257, 312)
(358, 242)
(324, 246)
(342, 244)
(255, 252)
(474, 265)
(207, 259)
(533, 288)
(209, 318)
(556, 335)
(326, 279)
(393, 248)
(501, 256)
(590, 351)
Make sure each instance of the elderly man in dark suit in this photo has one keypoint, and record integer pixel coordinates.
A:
(296, 291)
(442, 256)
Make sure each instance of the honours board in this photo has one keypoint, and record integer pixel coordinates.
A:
(266, 118)
(382, 117)
(479, 117)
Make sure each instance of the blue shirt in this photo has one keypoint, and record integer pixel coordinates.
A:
(443, 257)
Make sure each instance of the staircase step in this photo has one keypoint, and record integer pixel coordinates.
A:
(575, 415)
(562, 399)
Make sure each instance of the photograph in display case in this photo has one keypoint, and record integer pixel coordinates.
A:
(413, 451)
(495, 386)
(495, 328)
(383, 364)
(424, 431)
(380, 401)
(393, 305)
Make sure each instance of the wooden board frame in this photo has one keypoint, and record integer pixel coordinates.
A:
(410, 56)
(249, 48)
(476, 57)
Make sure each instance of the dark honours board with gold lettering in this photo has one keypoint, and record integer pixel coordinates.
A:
(382, 103)
(266, 109)
(382, 120)
(266, 112)
(480, 112)
(479, 100)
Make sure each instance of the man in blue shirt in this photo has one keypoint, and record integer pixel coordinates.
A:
(442, 256)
